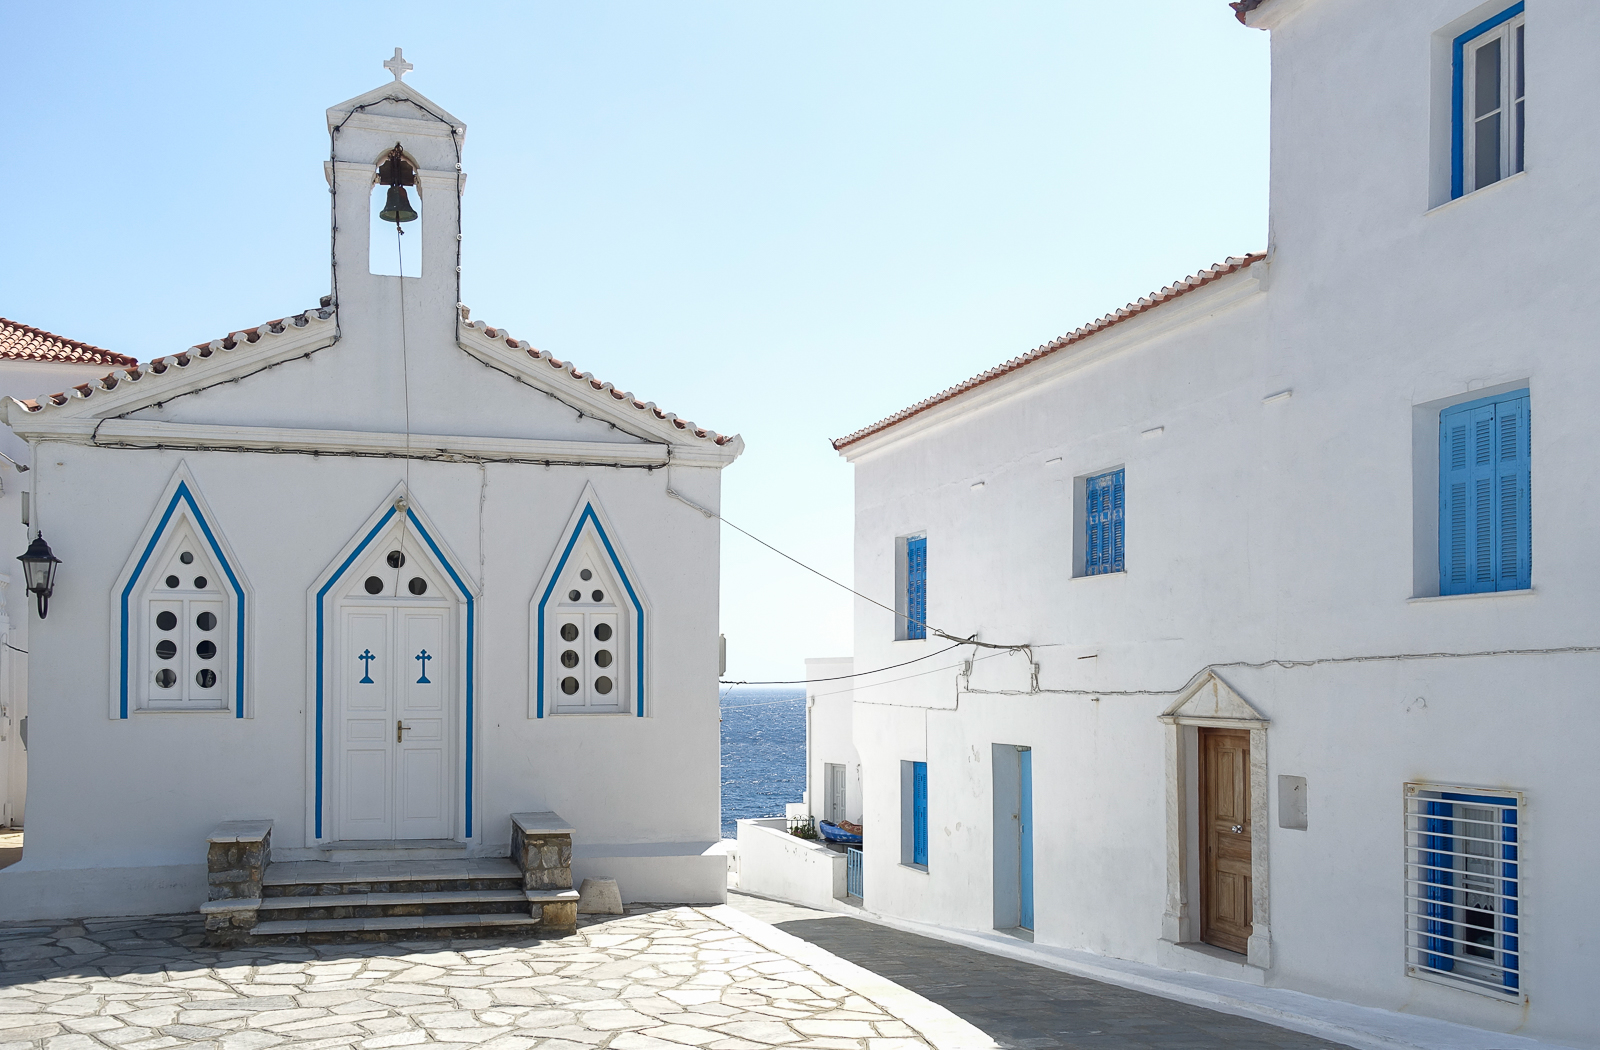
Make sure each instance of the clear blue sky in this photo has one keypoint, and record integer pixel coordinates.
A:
(784, 220)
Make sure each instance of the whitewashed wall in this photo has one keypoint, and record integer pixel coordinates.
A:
(1293, 530)
(20, 378)
(829, 736)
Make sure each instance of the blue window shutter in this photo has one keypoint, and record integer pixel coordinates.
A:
(1104, 506)
(917, 587)
(1514, 519)
(919, 813)
(1485, 523)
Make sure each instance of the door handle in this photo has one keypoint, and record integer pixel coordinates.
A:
(399, 728)
(1237, 829)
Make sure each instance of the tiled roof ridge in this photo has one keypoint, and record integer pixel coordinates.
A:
(246, 336)
(569, 370)
(161, 366)
(21, 342)
(1232, 264)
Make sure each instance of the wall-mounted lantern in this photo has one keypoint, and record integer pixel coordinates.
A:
(39, 566)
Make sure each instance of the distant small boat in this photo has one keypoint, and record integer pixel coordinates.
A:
(834, 833)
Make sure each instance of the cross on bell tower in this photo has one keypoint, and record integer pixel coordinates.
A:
(398, 65)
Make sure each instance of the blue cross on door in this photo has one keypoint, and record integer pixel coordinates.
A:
(424, 657)
(366, 667)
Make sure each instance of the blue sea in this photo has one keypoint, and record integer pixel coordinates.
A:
(763, 751)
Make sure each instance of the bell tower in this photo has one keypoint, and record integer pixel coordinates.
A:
(396, 138)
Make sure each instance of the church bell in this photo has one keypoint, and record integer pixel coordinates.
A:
(396, 174)
(398, 207)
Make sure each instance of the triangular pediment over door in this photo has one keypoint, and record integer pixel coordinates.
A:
(1211, 701)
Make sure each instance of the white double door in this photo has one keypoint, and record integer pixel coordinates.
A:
(395, 721)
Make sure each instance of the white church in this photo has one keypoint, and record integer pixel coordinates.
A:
(373, 593)
(1291, 592)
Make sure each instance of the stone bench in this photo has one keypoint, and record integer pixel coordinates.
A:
(237, 854)
(541, 845)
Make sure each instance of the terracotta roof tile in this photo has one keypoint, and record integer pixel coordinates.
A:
(1172, 291)
(1244, 7)
(19, 342)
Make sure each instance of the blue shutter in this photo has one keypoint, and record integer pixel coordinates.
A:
(917, 587)
(1484, 506)
(1103, 523)
(919, 813)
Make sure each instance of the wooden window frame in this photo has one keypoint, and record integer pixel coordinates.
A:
(1502, 27)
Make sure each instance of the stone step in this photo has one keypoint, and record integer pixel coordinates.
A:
(375, 905)
(395, 928)
(333, 878)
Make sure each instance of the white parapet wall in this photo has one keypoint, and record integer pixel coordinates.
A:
(773, 863)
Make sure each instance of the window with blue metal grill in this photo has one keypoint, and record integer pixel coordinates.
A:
(1103, 504)
(919, 813)
(916, 587)
(1463, 888)
(1485, 504)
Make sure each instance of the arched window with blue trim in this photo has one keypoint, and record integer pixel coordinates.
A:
(180, 614)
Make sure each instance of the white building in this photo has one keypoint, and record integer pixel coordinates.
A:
(375, 572)
(833, 768)
(30, 360)
(1305, 597)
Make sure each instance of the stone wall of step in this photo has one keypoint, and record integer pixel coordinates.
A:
(391, 897)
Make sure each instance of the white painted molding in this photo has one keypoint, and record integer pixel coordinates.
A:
(143, 433)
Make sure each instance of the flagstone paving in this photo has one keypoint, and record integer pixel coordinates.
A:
(656, 979)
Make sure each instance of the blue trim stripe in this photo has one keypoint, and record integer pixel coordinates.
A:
(182, 493)
(589, 515)
(1458, 104)
(322, 650)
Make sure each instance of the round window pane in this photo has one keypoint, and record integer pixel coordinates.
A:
(199, 583)
(173, 581)
(569, 659)
(396, 559)
(599, 596)
(187, 558)
(569, 685)
(569, 632)
(573, 596)
(417, 585)
(602, 631)
(603, 658)
(602, 685)
(206, 650)
(374, 585)
(166, 649)
(166, 678)
(166, 620)
(205, 678)
(206, 621)
(585, 575)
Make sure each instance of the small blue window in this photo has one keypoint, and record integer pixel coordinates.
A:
(919, 813)
(916, 587)
(1485, 516)
(1488, 110)
(1103, 524)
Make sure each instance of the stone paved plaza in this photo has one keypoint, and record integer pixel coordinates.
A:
(669, 977)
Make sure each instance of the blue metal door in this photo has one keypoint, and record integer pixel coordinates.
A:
(1025, 820)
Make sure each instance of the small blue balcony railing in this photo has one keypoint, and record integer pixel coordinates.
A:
(852, 873)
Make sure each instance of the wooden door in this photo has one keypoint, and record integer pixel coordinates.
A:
(1225, 897)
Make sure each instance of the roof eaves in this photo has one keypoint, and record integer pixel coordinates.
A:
(20, 342)
(173, 365)
(569, 371)
(1232, 264)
